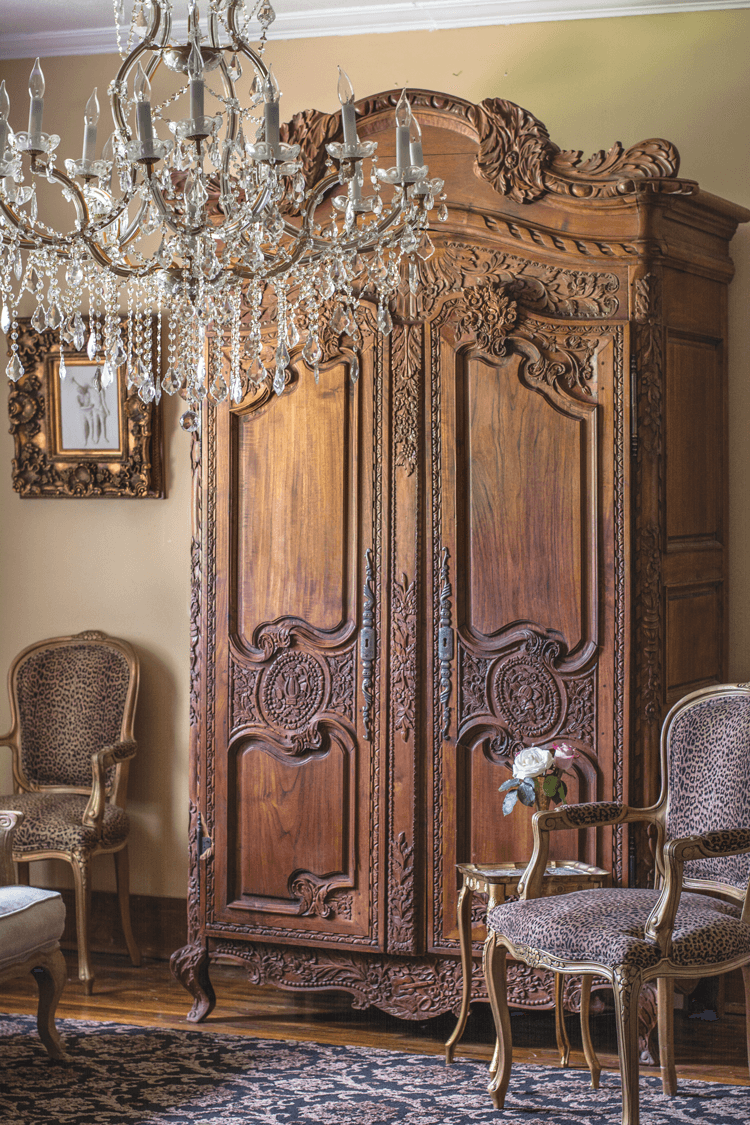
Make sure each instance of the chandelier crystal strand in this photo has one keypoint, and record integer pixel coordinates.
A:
(197, 210)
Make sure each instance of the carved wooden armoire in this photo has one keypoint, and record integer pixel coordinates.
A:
(510, 530)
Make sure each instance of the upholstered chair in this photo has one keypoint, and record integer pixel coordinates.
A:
(72, 705)
(695, 924)
(31, 925)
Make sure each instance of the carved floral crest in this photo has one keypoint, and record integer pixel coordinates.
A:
(488, 315)
(518, 158)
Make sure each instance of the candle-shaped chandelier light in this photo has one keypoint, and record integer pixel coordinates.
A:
(207, 227)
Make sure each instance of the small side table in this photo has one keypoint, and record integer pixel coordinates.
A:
(499, 881)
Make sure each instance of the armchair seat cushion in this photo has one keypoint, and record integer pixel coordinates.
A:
(606, 927)
(52, 822)
(31, 921)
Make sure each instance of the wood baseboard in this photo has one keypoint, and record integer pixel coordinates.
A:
(159, 924)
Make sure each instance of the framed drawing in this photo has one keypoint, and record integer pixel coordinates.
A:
(76, 437)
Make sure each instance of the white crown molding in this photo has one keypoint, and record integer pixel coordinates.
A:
(339, 17)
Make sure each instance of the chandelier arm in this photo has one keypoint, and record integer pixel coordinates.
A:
(96, 226)
(321, 244)
(127, 272)
(34, 238)
(131, 231)
(15, 221)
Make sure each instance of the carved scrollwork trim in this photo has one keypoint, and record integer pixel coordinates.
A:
(195, 583)
(404, 654)
(406, 987)
(446, 643)
(194, 890)
(341, 667)
(367, 644)
(648, 622)
(315, 894)
(406, 361)
(242, 694)
(401, 896)
(518, 158)
(459, 268)
(472, 671)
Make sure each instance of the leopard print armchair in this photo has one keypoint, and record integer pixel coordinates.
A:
(72, 707)
(696, 923)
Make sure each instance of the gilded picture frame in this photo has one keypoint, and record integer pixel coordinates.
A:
(75, 437)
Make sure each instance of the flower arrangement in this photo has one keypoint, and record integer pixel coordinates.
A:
(537, 777)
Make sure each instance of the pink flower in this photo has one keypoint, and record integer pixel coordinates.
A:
(564, 755)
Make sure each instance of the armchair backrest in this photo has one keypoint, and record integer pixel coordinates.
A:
(71, 696)
(706, 768)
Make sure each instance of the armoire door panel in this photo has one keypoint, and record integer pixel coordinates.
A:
(296, 514)
(523, 505)
(289, 815)
(532, 516)
(291, 746)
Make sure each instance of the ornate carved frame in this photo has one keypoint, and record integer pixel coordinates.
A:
(41, 468)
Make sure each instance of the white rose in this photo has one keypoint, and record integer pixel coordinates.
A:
(531, 762)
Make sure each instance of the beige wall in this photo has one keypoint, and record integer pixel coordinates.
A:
(123, 566)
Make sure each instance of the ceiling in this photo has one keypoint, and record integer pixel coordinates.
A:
(78, 27)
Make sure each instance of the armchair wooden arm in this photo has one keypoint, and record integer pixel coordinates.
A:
(101, 760)
(724, 842)
(8, 822)
(595, 814)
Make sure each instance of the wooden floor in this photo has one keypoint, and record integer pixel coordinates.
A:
(712, 1050)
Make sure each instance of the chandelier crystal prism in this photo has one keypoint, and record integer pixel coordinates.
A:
(209, 228)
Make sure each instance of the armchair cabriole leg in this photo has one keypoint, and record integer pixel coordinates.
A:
(51, 975)
(561, 1031)
(82, 883)
(122, 873)
(495, 957)
(665, 1015)
(746, 979)
(592, 1062)
(464, 932)
(626, 989)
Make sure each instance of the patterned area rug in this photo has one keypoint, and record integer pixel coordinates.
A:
(143, 1076)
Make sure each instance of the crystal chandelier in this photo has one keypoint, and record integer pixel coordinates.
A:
(209, 228)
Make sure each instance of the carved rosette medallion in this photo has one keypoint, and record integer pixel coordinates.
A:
(291, 691)
(527, 696)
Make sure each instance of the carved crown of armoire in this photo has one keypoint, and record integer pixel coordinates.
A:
(510, 530)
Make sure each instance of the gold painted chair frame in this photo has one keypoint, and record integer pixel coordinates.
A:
(100, 794)
(670, 859)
